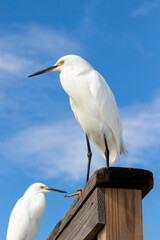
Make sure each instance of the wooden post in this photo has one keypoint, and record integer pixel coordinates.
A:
(123, 215)
(109, 207)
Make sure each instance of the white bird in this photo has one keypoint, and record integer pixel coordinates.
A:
(27, 213)
(93, 105)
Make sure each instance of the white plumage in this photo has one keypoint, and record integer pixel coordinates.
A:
(27, 213)
(92, 102)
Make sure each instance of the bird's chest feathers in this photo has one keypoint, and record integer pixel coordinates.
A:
(75, 85)
(37, 207)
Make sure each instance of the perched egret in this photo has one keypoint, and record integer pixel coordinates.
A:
(27, 213)
(93, 105)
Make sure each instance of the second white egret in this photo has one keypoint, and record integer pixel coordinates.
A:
(93, 105)
(27, 213)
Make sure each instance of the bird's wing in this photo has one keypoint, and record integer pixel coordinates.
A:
(18, 223)
(74, 110)
(106, 105)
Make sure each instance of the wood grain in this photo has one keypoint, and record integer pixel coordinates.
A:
(123, 214)
(126, 178)
(89, 220)
(113, 177)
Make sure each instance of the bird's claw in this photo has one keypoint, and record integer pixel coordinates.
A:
(79, 190)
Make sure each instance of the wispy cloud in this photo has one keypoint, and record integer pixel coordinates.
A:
(26, 45)
(25, 49)
(90, 10)
(49, 151)
(60, 149)
(142, 131)
(14, 65)
(145, 9)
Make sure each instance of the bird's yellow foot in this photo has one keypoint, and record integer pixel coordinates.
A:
(79, 190)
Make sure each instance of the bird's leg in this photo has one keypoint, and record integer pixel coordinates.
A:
(106, 153)
(89, 154)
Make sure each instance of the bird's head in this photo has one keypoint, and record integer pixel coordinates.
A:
(68, 61)
(41, 188)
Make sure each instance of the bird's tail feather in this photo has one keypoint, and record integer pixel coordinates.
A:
(123, 149)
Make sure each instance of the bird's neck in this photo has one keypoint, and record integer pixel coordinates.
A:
(73, 82)
(36, 204)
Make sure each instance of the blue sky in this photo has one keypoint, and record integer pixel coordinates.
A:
(40, 140)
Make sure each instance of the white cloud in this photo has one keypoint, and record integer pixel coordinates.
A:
(142, 131)
(145, 9)
(13, 64)
(50, 151)
(27, 45)
(25, 49)
(60, 149)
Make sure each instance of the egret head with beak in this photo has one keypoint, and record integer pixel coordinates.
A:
(55, 67)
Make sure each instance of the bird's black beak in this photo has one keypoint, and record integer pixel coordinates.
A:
(49, 69)
(55, 190)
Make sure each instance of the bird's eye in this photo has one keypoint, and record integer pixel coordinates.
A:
(60, 63)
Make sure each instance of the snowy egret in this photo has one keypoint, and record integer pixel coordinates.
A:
(93, 105)
(27, 213)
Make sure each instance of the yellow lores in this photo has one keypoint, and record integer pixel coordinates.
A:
(43, 187)
(60, 63)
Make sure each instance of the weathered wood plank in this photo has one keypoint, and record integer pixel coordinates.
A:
(123, 214)
(125, 178)
(89, 220)
(113, 177)
(73, 209)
